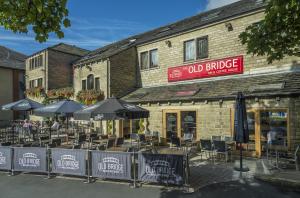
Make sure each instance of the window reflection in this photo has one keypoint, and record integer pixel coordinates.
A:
(274, 127)
(188, 124)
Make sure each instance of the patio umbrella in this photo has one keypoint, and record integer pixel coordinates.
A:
(111, 109)
(241, 132)
(64, 107)
(22, 105)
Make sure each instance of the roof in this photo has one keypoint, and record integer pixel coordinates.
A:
(11, 59)
(66, 48)
(256, 86)
(202, 19)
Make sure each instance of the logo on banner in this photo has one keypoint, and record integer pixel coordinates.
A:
(68, 162)
(159, 168)
(110, 165)
(176, 73)
(129, 106)
(2, 158)
(29, 160)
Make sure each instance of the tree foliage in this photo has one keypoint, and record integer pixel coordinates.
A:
(278, 34)
(44, 16)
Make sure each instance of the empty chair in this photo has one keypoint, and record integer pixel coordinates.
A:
(175, 142)
(206, 147)
(110, 143)
(220, 147)
(216, 137)
(228, 138)
(119, 141)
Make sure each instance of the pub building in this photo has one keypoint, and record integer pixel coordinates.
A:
(187, 75)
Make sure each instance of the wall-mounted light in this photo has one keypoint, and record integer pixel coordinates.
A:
(229, 27)
(256, 99)
(168, 43)
(220, 101)
(278, 99)
(205, 101)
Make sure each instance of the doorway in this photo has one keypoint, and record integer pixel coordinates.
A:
(177, 123)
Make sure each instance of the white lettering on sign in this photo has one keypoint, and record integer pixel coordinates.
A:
(195, 68)
(68, 162)
(159, 168)
(2, 159)
(29, 160)
(110, 165)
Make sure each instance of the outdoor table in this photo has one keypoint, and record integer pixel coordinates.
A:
(171, 151)
(117, 149)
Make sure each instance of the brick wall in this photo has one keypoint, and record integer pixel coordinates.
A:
(221, 44)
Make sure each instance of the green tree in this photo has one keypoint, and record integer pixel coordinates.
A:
(43, 16)
(278, 34)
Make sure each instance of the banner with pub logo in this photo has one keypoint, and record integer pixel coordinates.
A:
(67, 161)
(5, 158)
(31, 159)
(161, 168)
(111, 165)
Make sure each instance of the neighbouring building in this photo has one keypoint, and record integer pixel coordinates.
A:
(51, 70)
(12, 87)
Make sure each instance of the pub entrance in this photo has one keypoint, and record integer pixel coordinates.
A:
(177, 123)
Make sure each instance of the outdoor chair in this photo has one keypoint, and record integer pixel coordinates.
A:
(175, 142)
(93, 136)
(220, 147)
(55, 143)
(206, 147)
(110, 143)
(44, 140)
(119, 141)
(216, 137)
(134, 138)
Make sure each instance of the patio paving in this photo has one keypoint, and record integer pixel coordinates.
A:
(205, 172)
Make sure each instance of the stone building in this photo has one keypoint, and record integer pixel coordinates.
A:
(187, 75)
(51, 68)
(12, 69)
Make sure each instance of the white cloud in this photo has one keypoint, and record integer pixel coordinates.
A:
(211, 4)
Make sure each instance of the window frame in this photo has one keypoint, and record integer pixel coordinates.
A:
(197, 55)
(95, 81)
(150, 58)
(141, 62)
(148, 64)
(90, 85)
(83, 84)
(197, 47)
(184, 50)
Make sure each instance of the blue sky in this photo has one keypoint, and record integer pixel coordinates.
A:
(96, 23)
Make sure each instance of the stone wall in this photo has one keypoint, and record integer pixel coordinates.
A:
(123, 72)
(40, 72)
(215, 118)
(60, 69)
(98, 69)
(221, 43)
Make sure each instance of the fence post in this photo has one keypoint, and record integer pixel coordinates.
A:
(12, 162)
(134, 172)
(48, 162)
(88, 168)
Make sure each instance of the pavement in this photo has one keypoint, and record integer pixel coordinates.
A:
(35, 186)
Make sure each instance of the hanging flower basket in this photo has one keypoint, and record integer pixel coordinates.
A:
(90, 96)
(66, 92)
(34, 92)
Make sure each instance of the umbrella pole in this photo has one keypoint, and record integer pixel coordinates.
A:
(241, 157)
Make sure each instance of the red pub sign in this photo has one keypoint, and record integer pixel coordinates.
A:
(220, 67)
